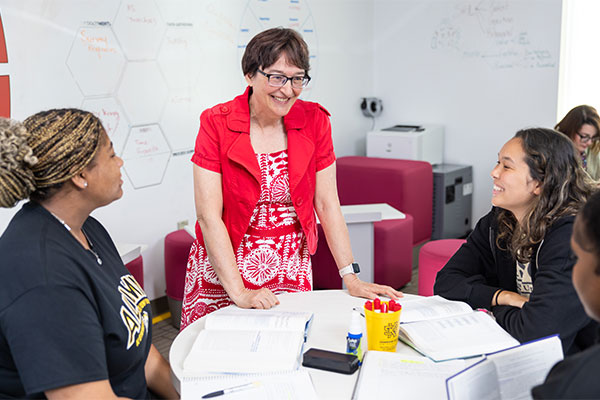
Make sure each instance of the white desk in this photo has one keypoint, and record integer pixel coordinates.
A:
(332, 311)
(129, 252)
(385, 210)
(359, 219)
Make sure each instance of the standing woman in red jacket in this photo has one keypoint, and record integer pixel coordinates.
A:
(263, 164)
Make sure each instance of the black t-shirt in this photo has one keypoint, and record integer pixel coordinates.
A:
(64, 318)
(576, 377)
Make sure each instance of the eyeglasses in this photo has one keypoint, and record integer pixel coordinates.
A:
(587, 138)
(278, 80)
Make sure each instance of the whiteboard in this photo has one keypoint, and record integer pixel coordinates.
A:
(482, 68)
(148, 68)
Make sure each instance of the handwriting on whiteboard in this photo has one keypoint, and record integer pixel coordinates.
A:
(488, 31)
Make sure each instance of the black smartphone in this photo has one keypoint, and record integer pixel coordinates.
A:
(330, 361)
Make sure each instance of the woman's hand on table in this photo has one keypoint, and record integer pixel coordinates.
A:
(359, 288)
(261, 298)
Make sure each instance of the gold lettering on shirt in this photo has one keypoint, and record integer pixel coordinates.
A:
(132, 311)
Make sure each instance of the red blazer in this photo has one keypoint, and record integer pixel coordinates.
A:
(223, 146)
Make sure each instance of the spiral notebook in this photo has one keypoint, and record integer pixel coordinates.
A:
(275, 385)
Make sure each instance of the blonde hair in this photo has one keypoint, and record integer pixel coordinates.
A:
(38, 156)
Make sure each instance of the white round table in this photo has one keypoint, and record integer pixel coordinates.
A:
(332, 312)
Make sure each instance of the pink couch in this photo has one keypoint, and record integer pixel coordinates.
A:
(392, 259)
(136, 268)
(405, 185)
(177, 250)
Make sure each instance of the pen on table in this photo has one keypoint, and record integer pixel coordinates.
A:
(359, 311)
(231, 390)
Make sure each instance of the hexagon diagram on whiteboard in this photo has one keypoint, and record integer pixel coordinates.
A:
(4, 77)
(263, 14)
(139, 28)
(113, 119)
(96, 49)
(146, 155)
(142, 92)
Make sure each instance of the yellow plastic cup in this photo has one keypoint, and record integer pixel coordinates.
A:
(382, 330)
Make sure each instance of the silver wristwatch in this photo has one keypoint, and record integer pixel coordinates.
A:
(350, 269)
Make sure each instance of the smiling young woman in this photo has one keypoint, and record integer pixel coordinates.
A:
(518, 262)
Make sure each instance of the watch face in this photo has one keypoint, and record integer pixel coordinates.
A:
(355, 268)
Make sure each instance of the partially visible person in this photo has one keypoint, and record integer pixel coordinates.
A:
(576, 377)
(74, 323)
(517, 262)
(263, 165)
(582, 126)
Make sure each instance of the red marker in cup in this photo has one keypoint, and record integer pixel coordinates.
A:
(384, 307)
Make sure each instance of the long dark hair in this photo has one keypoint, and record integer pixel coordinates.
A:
(565, 187)
(576, 118)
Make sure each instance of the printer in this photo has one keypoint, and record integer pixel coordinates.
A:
(409, 142)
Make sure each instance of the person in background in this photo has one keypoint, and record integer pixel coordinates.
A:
(576, 377)
(582, 126)
(73, 322)
(263, 164)
(517, 262)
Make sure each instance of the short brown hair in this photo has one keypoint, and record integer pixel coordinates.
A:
(264, 50)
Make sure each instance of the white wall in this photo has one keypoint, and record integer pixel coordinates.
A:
(579, 78)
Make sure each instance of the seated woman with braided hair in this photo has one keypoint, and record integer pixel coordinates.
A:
(73, 321)
(517, 262)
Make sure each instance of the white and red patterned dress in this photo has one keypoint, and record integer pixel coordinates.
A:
(273, 253)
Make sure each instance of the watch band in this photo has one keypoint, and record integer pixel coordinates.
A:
(350, 269)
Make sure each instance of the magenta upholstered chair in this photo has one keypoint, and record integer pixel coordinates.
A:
(432, 257)
(177, 250)
(136, 268)
(406, 185)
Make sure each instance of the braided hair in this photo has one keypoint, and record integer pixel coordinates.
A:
(38, 156)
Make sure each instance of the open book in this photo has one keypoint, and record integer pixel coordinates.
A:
(508, 374)
(442, 329)
(277, 385)
(248, 341)
(386, 375)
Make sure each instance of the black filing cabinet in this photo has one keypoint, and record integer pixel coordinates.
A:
(452, 201)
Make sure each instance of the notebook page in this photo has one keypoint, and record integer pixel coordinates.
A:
(283, 385)
(385, 375)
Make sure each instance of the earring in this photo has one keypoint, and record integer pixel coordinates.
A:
(84, 184)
